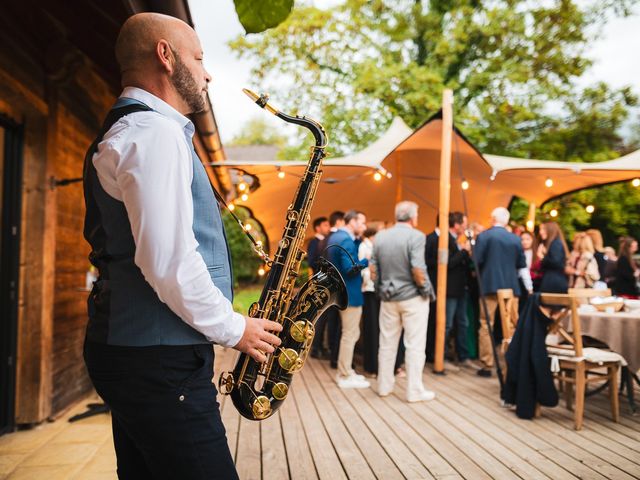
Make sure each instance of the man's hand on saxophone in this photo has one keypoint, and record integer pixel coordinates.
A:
(258, 339)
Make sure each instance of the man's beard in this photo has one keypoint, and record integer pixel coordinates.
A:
(187, 87)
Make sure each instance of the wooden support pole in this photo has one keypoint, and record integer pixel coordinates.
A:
(443, 225)
(398, 175)
(531, 218)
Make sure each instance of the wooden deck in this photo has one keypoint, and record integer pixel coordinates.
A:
(328, 433)
(324, 432)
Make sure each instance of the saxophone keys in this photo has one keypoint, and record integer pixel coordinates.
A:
(288, 358)
(302, 331)
(261, 407)
(254, 309)
(226, 383)
(280, 390)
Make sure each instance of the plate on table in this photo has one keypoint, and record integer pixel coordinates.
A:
(632, 304)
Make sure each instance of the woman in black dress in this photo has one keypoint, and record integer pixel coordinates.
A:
(553, 252)
(627, 272)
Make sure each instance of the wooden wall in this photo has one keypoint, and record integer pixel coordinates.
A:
(58, 95)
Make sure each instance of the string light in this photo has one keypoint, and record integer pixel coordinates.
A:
(244, 197)
(553, 213)
(590, 208)
(242, 187)
(548, 182)
(281, 174)
(530, 225)
(377, 176)
(261, 271)
(465, 185)
(247, 226)
(232, 207)
(635, 182)
(259, 243)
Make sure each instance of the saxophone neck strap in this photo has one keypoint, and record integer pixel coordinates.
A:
(257, 246)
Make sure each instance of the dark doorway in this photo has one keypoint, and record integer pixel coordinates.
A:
(11, 135)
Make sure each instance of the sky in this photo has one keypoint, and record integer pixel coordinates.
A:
(614, 55)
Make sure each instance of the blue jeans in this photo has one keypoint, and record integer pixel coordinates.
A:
(457, 315)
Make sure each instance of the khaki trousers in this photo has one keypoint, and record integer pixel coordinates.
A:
(350, 319)
(413, 316)
(484, 341)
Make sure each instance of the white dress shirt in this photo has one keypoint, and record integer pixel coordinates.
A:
(145, 162)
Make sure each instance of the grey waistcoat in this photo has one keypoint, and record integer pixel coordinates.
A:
(123, 308)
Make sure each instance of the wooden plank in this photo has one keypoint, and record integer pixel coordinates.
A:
(589, 439)
(352, 459)
(274, 455)
(299, 455)
(441, 443)
(486, 392)
(421, 448)
(248, 456)
(325, 457)
(370, 446)
(516, 437)
(447, 419)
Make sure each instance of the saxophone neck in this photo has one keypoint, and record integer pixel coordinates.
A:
(315, 127)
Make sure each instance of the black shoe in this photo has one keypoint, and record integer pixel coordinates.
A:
(484, 372)
(334, 365)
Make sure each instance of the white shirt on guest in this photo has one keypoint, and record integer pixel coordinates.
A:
(145, 162)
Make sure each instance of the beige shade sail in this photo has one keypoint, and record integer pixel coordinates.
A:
(412, 158)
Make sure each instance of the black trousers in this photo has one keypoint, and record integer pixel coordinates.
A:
(334, 329)
(165, 417)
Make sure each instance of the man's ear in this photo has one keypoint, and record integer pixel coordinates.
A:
(165, 55)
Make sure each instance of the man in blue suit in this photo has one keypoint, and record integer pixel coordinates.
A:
(348, 237)
(500, 257)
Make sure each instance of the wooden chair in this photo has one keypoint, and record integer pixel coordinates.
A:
(584, 294)
(574, 367)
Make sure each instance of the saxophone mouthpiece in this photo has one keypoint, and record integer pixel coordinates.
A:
(261, 100)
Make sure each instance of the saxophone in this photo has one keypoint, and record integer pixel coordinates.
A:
(258, 389)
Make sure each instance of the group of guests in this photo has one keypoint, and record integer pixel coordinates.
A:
(391, 278)
(387, 279)
(554, 268)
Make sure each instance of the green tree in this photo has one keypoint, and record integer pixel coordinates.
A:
(513, 65)
(258, 132)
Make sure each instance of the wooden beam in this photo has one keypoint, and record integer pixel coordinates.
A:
(443, 239)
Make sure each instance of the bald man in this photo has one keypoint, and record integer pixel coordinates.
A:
(164, 294)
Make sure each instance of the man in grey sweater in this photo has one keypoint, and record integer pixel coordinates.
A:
(400, 275)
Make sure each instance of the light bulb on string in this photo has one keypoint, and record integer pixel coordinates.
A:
(530, 225)
(232, 207)
(553, 213)
(244, 197)
(281, 174)
(242, 187)
(590, 208)
(635, 182)
(465, 185)
(261, 271)
(377, 176)
(548, 182)
(247, 227)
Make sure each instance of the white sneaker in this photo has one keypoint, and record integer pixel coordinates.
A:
(424, 396)
(352, 382)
